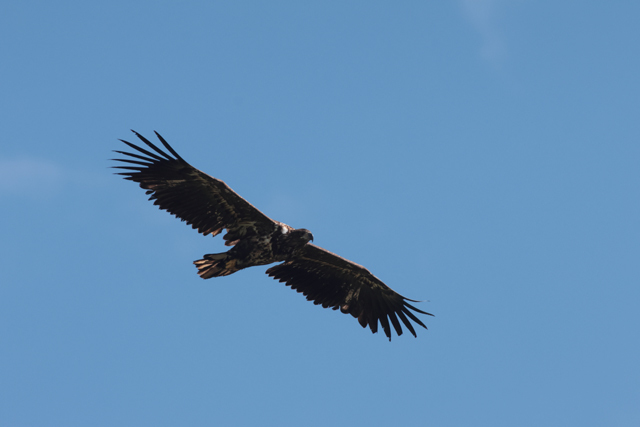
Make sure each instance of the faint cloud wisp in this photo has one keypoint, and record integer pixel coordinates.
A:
(482, 15)
(29, 176)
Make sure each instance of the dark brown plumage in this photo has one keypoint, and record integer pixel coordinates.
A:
(210, 206)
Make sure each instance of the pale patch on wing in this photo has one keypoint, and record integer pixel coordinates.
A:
(239, 231)
(244, 225)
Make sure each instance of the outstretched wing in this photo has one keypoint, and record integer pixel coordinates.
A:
(204, 202)
(332, 281)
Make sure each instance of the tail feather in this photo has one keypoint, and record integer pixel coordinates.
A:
(216, 265)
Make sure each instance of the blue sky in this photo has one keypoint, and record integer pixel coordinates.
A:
(482, 156)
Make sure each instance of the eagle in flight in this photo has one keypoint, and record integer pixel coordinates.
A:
(211, 206)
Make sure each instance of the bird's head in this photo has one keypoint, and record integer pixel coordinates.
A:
(302, 235)
(306, 235)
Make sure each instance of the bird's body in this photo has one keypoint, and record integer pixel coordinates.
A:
(210, 206)
(278, 245)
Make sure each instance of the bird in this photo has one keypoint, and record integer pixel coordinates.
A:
(210, 206)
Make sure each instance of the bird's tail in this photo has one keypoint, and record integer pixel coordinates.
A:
(215, 265)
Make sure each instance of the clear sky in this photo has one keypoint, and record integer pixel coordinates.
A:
(481, 156)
